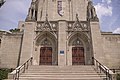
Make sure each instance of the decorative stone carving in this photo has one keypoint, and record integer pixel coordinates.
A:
(46, 26)
(46, 42)
(49, 26)
(78, 26)
(32, 12)
(91, 13)
(77, 42)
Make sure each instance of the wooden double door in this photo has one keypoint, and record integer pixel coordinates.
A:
(78, 56)
(46, 56)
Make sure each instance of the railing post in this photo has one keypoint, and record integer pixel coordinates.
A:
(93, 62)
(24, 69)
(106, 72)
(27, 65)
(109, 75)
(31, 60)
(18, 74)
(100, 68)
(114, 71)
(97, 64)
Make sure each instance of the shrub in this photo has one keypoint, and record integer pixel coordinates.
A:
(4, 73)
(118, 76)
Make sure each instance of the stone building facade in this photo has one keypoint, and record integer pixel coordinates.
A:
(59, 32)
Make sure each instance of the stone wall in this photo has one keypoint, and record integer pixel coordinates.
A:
(111, 49)
(10, 46)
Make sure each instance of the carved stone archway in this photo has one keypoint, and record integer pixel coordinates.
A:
(79, 39)
(45, 40)
(78, 55)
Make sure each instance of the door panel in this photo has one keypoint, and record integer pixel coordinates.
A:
(78, 56)
(46, 56)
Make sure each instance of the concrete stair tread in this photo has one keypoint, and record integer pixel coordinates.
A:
(60, 78)
(60, 73)
(61, 67)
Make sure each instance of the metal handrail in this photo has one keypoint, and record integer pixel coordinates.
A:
(22, 68)
(100, 67)
(115, 70)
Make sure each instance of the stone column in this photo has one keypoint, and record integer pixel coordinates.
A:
(29, 14)
(62, 43)
(33, 16)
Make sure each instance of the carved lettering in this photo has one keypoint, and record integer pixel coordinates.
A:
(114, 39)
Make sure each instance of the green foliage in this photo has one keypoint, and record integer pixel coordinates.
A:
(118, 76)
(14, 30)
(4, 73)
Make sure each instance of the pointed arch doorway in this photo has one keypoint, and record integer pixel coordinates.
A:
(78, 52)
(45, 49)
(46, 52)
(79, 49)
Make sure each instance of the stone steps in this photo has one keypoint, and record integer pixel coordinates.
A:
(55, 68)
(60, 73)
(62, 67)
(60, 78)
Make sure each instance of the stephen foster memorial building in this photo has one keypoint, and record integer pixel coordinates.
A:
(61, 35)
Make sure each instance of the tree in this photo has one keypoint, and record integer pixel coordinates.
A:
(1, 2)
(14, 30)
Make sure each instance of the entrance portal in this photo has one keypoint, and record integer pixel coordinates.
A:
(46, 56)
(78, 56)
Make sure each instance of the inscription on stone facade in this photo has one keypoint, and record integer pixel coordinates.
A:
(115, 39)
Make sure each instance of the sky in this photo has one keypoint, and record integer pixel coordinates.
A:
(108, 12)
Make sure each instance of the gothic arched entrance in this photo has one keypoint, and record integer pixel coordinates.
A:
(78, 52)
(45, 49)
(79, 49)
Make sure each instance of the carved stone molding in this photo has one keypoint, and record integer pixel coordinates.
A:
(77, 26)
(47, 26)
